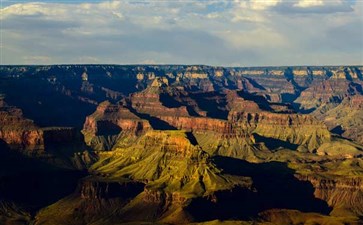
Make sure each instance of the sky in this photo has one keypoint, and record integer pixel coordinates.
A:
(218, 33)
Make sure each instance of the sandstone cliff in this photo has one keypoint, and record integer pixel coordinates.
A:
(103, 127)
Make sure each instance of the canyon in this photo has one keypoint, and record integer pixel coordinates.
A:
(181, 144)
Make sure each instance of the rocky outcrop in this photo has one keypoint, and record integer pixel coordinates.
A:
(327, 91)
(163, 197)
(237, 103)
(221, 141)
(302, 130)
(102, 128)
(93, 188)
(18, 132)
(343, 194)
(22, 134)
(345, 118)
(148, 101)
(168, 161)
(198, 124)
(356, 102)
(31, 140)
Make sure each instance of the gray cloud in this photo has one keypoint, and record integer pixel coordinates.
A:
(206, 32)
(327, 7)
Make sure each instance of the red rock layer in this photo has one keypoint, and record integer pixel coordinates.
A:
(198, 124)
(108, 114)
(356, 101)
(237, 103)
(268, 118)
(22, 134)
(149, 102)
(325, 91)
(343, 193)
(17, 131)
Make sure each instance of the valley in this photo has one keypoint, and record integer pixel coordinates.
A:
(181, 144)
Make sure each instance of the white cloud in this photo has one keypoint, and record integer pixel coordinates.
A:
(256, 4)
(264, 4)
(32, 9)
(309, 3)
(320, 6)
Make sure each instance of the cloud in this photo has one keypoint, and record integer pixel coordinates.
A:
(262, 5)
(37, 59)
(249, 32)
(309, 3)
(316, 6)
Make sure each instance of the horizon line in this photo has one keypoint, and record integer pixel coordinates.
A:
(162, 64)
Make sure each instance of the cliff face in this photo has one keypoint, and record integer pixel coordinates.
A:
(192, 143)
(302, 130)
(102, 128)
(248, 116)
(198, 124)
(18, 132)
(237, 103)
(107, 112)
(97, 189)
(23, 135)
(331, 90)
(24, 139)
(344, 195)
(68, 85)
(165, 160)
(148, 101)
(173, 169)
(345, 118)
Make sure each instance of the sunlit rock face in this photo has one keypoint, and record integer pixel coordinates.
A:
(102, 128)
(17, 131)
(22, 134)
(344, 194)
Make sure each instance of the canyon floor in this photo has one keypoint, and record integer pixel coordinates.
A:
(179, 144)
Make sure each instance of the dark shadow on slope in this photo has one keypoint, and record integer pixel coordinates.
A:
(328, 73)
(235, 204)
(297, 108)
(255, 84)
(168, 101)
(213, 103)
(338, 130)
(359, 73)
(354, 88)
(191, 138)
(288, 97)
(347, 75)
(289, 75)
(108, 189)
(191, 111)
(105, 127)
(31, 183)
(44, 103)
(274, 186)
(156, 123)
(272, 143)
(259, 100)
(64, 143)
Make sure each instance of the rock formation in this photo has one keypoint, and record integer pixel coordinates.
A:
(178, 144)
